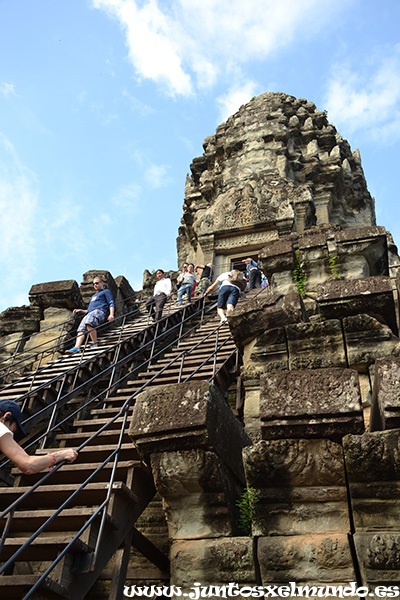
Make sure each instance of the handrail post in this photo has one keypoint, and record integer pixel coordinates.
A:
(54, 412)
(181, 327)
(153, 344)
(181, 367)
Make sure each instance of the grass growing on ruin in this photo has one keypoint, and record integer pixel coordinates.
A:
(246, 506)
(299, 276)
(332, 265)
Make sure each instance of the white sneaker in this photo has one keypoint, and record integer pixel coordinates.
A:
(223, 319)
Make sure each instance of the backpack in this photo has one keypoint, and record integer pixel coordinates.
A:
(237, 278)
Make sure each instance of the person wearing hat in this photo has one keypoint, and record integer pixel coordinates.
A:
(10, 424)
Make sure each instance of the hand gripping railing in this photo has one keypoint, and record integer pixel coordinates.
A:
(10, 511)
(123, 411)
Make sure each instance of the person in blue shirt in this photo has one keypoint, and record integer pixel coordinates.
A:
(101, 308)
(253, 273)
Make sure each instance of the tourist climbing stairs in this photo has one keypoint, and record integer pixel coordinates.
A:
(62, 529)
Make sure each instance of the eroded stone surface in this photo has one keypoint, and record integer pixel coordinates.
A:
(212, 562)
(312, 558)
(385, 409)
(187, 416)
(263, 313)
(372, 295)
(310, 403)
(299, 486)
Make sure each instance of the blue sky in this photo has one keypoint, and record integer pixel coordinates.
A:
(104, 104)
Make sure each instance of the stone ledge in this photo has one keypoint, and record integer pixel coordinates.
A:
(310, 403)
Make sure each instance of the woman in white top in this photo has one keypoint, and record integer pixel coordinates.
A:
(187, 279)
(10, 424)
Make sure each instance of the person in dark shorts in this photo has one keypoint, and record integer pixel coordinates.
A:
(228, 295)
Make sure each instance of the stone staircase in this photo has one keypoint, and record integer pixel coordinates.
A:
(106, 490)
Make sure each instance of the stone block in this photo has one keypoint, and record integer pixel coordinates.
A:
(385, 408)
(372, 295)
(373, 468)
(267, 352)
(55, 328)
(310, 403)
(299, 485)
(86, 287)
(212, 563)
(61, 294)
(368, 245)
(368, 340)
(258, 315)
(20, 319)
(378, 555)
(277, 256)
(186, 416)
(317, 345)
(199, 493)
(312, 559)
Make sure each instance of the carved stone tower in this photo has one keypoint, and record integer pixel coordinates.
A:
(275, 167)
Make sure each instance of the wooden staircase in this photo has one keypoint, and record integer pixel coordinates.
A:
(105, 491)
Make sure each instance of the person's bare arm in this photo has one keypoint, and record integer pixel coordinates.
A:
(33, 464)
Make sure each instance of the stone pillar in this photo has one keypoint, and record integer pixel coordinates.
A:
(207, 247)
(322, 204)
(300, 212)
(194, 444)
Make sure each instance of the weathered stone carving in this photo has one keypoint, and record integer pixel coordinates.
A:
(310, 403)
(385, 409)
(373, 468)
(276, 164)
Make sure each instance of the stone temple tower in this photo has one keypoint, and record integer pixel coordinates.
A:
(275, 167)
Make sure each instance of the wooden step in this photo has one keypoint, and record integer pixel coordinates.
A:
(70, 519)
(77, 473)
(42, 548)
(15, 587)
(52, 496)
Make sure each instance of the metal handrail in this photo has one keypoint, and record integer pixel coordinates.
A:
(53, 349)
(90, 382)
(123, 411)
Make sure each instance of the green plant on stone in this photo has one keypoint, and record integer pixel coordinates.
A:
(332, 265)
(246, 505)
(299, 276)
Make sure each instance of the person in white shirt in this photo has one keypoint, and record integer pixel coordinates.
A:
(10, 424)
(162, 291)
(228, 295)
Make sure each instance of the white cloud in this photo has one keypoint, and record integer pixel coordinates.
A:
(187, 45)
(137, 106)
(18, 201)
(368, 98)
(127, 196)
(7, 89)
(156, 176)
(230, 102)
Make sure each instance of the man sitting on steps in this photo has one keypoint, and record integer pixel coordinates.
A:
(101, 303)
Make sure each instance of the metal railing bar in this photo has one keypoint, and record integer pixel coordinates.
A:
(91, 381)
(115, 453)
